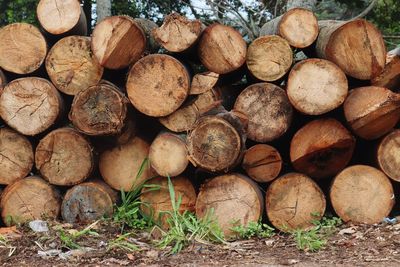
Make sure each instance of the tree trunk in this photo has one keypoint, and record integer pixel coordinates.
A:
(357, 47)
(169, 154)
(322, 148)
(269, 58)
(99, 110)
(234, 199)
(298, 26)
(387, 155)
(64, 157)
(203, 82)
(371, 111)
(390, 76)
(149, 89)
(268, 110)
(88, 202)
(23, 48)
(103, 9)
(29, 199)
(62, 17)
(16, 156)
(72, 66)
(148, 26)
(262, 162)
(222, 49)
(30, 105)
(294, 201)
(316, 86)
(362, 194)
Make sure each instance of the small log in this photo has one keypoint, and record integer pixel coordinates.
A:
(118, 41)
(387, 155)
(168, 154)
(321, 148)
(268, 110)
(64, 157)
(316, 86)
(294, 201)
(62, 17)
(203, 82)
(30, 105)
(222, 49)
(99, 110)
(72, 66)
(119, 166)
(177, 33)
(29, 199)
(148, 26)
(23, 48)
(232, 199)
(362, 194)
(356, 46)
(262, 162)
(390, 76)
(372, 111)
(156, 203)
(298, 26)
(88, 202)
(158, 85)
(16, 156)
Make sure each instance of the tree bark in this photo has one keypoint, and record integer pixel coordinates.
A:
(148, 26)
(390, 76)
(103, 9)
(308, 4)
(387, 155)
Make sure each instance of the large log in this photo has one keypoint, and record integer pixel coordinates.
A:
(362, 194)
(316, 86)
(372, 111)
(387, 155)
(88, 202)
(158, 85)
(390, 76)
(62, 17)
(118, 42)
(321, 148)
(356, 46)
(268, 110)
(299, 26)
(269, 58)
(64, 157)
(29, 199)
(232, 199)
(16, 156)
(99, 110)
(221, 49)
(30, 105)
(72, 66)
(23, 48)
(294, 201)
(119, 166)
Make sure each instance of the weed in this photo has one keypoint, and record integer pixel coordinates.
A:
(4, 243)
(123, 242)
(69, 239)
(253, 229)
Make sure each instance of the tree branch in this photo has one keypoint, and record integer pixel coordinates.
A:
(366, 11)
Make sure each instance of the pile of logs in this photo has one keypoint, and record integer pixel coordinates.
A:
(242, 129)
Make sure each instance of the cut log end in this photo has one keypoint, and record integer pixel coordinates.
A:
(203, 82)
(387, 155)
(390, 76)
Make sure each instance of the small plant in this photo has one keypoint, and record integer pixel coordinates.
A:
(69, 239)
(123, 242)
(253, 229)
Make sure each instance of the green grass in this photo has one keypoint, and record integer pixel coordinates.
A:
(253, 229)
(123, 242)
(69, 239)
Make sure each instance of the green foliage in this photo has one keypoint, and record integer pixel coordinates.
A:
(253, 229)
(18, 11)
(123, 242)
(69, 239)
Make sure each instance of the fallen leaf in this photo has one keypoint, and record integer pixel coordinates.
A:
(130, 256)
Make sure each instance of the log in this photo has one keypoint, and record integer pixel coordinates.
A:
(29, 199)
(62, 17)
(99, 110)
(268, 110)
(387, 155)
(30, 105)
(298, 26)
(371, 111)
(156, 204)
(316, 86)
(148, 26)
(158, 85)
(168, 154)
(232, 199)
(118, 41)
(128, 132)
(120, 165)
(203, 82)
(269, 58)
(221, 49)
(88, 202)
(294, 201)
(72, 66)
(16, 156)
(390, 76)
(362, 194)
(23, 48)
(262, 163)
(177, 33)
(356, 46)
(321, 148)
(64, 157)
